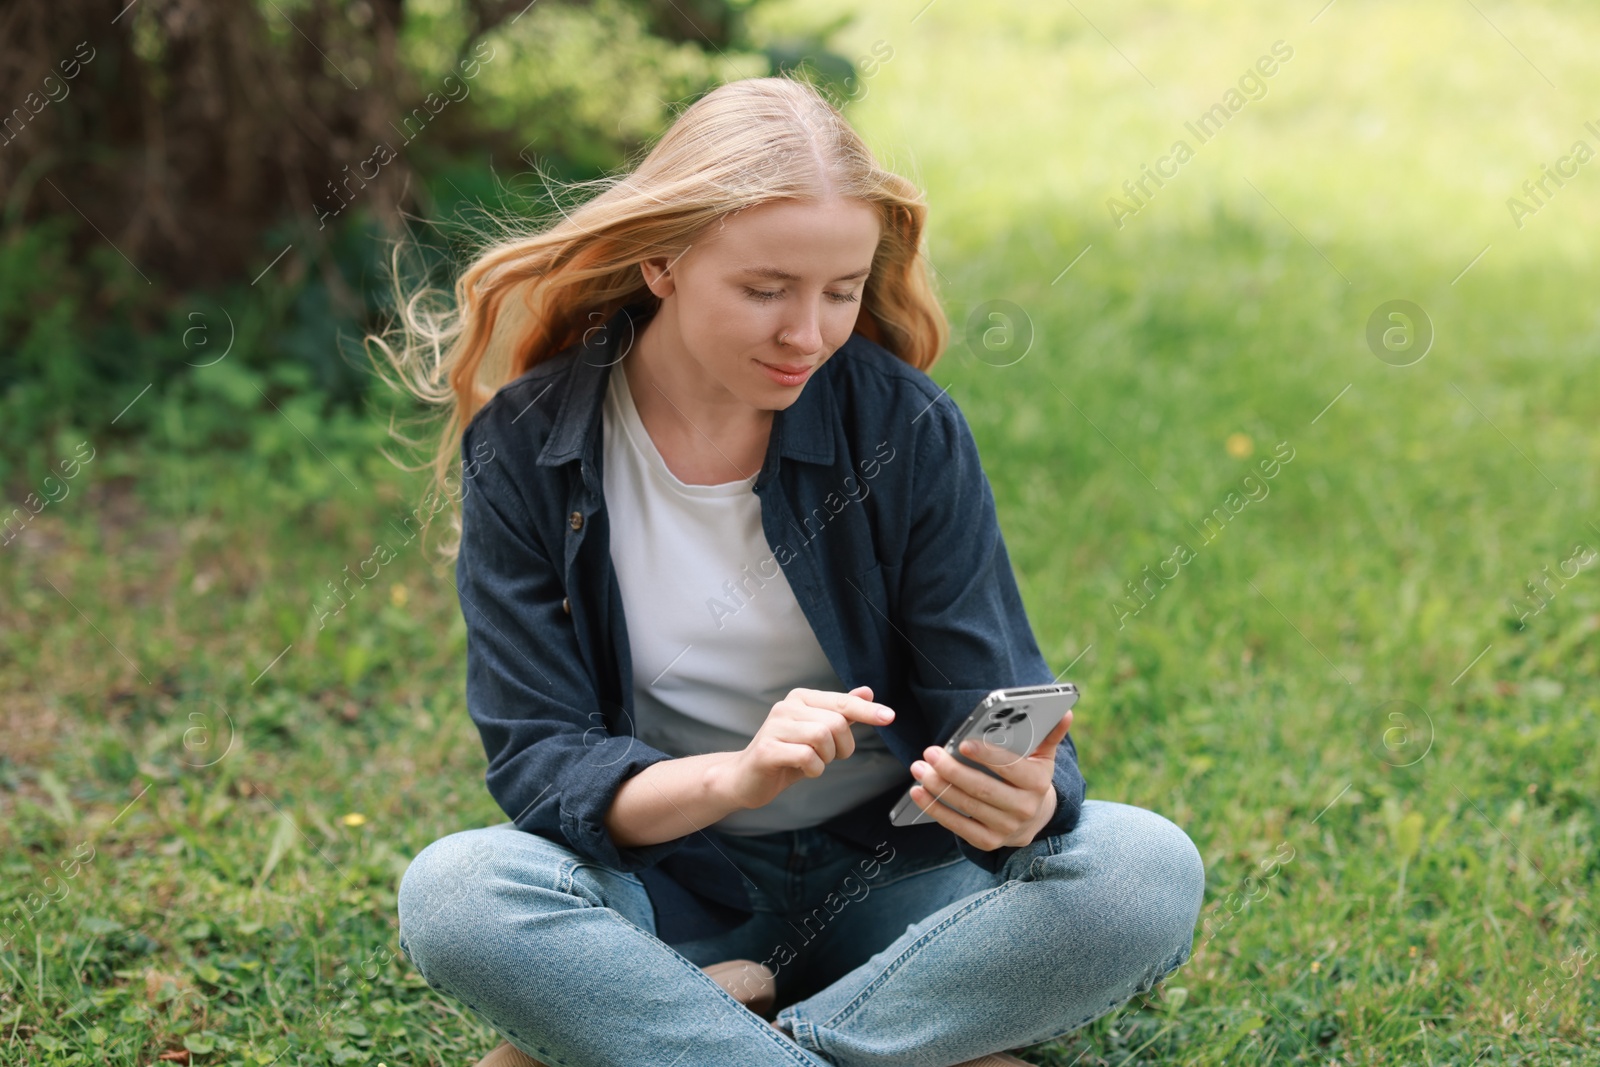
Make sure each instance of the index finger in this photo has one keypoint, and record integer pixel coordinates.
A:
(852, 707)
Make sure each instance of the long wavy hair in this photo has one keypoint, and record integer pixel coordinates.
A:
(532, 289)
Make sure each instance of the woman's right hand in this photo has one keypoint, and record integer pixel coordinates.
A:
(803, 733)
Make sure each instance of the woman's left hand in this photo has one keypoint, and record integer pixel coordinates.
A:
(1005, 812)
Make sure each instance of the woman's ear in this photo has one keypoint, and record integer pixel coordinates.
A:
(657, 276)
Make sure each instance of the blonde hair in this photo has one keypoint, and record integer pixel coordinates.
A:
(533, 290)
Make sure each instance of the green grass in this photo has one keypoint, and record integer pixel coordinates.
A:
(1381, 890)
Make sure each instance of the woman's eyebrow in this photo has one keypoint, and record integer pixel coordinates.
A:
(784, 276)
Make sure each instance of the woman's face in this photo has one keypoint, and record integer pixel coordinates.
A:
(790, 269)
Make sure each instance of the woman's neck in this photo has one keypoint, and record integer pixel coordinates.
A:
(706, 435)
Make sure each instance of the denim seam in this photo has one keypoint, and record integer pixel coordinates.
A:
(626, 876)
(567, 880)
(564, 883)
(1037, 868)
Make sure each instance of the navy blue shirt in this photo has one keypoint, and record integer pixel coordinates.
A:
(877, 509)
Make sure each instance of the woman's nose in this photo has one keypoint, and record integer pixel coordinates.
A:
(803, 334)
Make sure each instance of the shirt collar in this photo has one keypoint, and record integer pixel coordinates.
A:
(802, 431)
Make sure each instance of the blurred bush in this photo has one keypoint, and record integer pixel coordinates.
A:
(200, 198)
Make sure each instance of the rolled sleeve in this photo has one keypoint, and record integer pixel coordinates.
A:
(554, 767)
(963, 614)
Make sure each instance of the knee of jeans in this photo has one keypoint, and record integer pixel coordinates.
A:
(1158, 865)
(439, 896)
(1174, 873)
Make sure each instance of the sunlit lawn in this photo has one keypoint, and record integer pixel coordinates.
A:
(1381, 741)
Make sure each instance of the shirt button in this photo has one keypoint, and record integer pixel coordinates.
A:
(565, 606)
(576, 520)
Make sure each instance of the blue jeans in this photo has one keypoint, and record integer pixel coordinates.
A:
(921, 965)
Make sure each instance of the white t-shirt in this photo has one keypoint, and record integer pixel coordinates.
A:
(716, 635)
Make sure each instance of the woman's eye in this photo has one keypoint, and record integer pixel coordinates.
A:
(769, 294)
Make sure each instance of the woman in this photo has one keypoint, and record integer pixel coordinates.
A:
(731, 574)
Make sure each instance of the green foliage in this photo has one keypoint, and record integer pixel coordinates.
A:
(97, 360)
(99, 350)
(600, 88)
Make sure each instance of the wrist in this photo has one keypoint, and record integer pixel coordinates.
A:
(719, 781)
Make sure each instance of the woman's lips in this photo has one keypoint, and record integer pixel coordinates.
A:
(788, 374)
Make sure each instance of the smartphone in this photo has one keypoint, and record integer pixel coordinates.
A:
(1015, 719)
